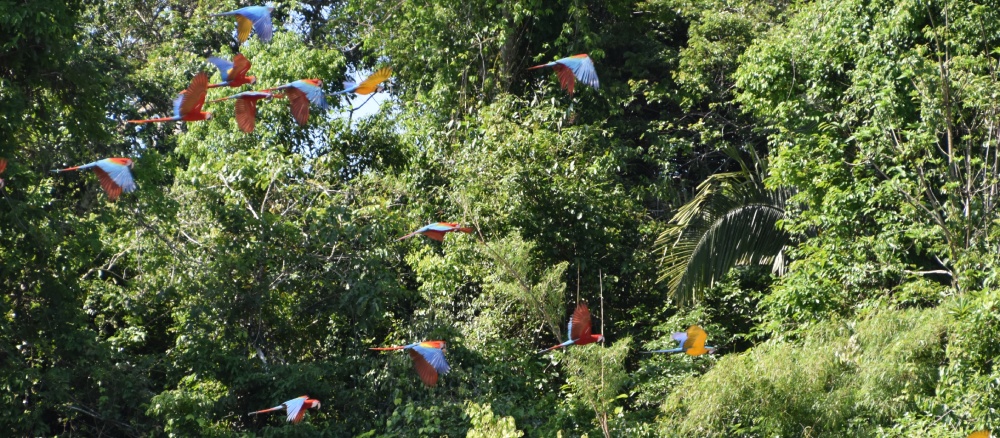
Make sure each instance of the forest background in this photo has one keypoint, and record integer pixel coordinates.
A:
(840, 154)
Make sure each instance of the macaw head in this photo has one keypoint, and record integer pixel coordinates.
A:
(315, 405)
(314, 82)
(127, 162)
(271, 9)
(252, 79)
(711, 350)
(600, 338)
(208, 116)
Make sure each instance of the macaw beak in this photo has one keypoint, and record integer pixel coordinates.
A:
(253, 80)
(317, 405)
(208, 116)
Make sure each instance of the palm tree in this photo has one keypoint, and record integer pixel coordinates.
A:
(731, 221)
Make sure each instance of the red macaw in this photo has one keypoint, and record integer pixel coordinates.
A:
(246, 107)
(692, 342)
(256, 17)
(437, 230)
(572, 68)
(296, 408)
(187, 106)
(428, 358)
(579, 329)
(234, 74)
(3, 167)
(114, 173)
(370, 85)
(299, 94)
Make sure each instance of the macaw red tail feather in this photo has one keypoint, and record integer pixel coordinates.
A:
(538, 66)
(216, 86)
(161, 119)
(386, 348)
(465, 230)
(267, 410)
(407, 236)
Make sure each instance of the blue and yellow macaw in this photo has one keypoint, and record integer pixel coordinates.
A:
(692, 342)
(256, 17)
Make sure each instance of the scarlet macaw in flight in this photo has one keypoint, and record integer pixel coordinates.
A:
(187, 106)
(3, 167)
(428, 358)
(299, 94)
(256, 17)
(579, 329)
(246, 107)
(296, 408)
(113, 173)
(234, 74)
(437, 230)
(370, 85)
(692, 342)
(572, 68)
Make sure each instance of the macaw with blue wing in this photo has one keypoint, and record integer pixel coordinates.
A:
(257, 18)
(579, 330)
(246, 107)
(114, 173)
(428, 358)
(692, 342)
(572, 68)
(234, 74)
(300, 93)
(188, 104)
(295, 408)
(437, 230)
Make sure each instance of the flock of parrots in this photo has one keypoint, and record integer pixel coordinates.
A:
(428, 356)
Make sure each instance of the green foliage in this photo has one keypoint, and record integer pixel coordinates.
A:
(843, 377)
(485, 424)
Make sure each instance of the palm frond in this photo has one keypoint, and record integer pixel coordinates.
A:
(731, 221)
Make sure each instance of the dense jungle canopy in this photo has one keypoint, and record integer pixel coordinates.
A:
(815, 183)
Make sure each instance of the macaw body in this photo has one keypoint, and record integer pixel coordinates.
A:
(300, 93)
(114, 173)
(257, 18)
(692, 342)
(3, 167)
(246, 107)
(187, 106)
(579, 329)
(428, 359)
(370, 85)
(572, 68)
(295, 408)
(437, 230)
(234, 74)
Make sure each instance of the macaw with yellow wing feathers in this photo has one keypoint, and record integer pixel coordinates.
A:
(980, 434)
(257, 18)
(572, 68)
(246, 107)
(428, 358)
(300, 93)
(370, 85)
(234, 74)
(114, 173)
(295, 408)
(692, 342)
(187, 106)
(579, 330)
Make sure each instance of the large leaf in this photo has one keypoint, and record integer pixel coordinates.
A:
(733, 220)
